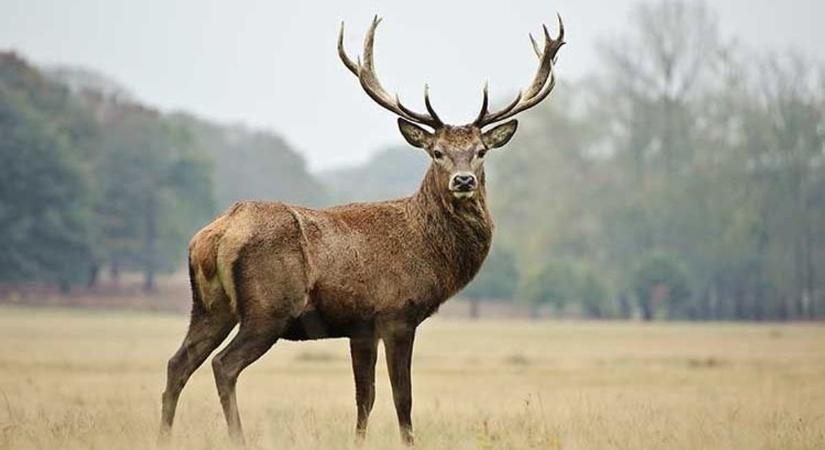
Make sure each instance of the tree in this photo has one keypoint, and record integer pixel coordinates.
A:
(660, 281)
(269, 167)
(390, 173)
(496, 281)
(553, 283)
(592, 293)
(156, 189)
(45, 201)
(785, 143)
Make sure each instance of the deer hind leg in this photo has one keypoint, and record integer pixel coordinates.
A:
(251, 342)
(364, 352)
(268, 295)
(206, 332)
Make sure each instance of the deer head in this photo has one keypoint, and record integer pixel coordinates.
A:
(457, 151)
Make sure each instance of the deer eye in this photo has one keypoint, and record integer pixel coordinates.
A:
(437, 154)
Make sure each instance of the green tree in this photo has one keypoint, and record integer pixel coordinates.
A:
(496, 281)
(269, 167)
(45, 201)
(553, 283)
(660, 282)
(157, 190)
(592, 293)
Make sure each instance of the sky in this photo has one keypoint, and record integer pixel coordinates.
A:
(273, 64)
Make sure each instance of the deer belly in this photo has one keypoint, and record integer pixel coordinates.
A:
(310, 325)
(314, 323)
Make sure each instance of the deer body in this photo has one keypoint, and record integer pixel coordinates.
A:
(350, 269)
(364, 271)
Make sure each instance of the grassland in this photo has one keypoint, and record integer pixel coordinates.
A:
(81, 379)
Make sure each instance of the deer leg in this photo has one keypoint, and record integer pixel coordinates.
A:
(205, 334)
(364, 352)
(398, 346)
(251, 342)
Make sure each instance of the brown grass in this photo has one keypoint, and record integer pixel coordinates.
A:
(93, 380)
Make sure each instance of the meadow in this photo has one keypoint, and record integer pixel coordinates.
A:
(93, 379)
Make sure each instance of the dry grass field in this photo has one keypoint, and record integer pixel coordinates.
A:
(81, 379)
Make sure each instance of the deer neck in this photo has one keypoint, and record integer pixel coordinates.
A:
(459, 231)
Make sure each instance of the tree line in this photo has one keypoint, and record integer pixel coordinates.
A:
(683, 179)
(90, 178)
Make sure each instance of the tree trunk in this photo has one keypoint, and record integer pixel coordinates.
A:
(647, 312)
(810, 273)
(114, 272)
(713, 301)
(64, 286)
(624, 306)
(150, 243)
(738, 300)
(646, 306)
(149, 284)
(94, 272)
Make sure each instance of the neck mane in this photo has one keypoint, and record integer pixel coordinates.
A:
(459, 231)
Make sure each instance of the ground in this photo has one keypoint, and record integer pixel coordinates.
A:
(86, 379)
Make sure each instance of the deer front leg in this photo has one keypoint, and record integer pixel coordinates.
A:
(364, 352)
(398, 346)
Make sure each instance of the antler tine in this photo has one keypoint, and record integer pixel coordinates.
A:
(365, 71)
(486, 118)
(485, 102)
(433, 116)
(535, 45)
(429, 105)
(540, 87)
(561, 29)
(545, 65)
(353, 67)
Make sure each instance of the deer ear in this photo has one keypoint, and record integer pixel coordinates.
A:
(500, 135)
(415, 135)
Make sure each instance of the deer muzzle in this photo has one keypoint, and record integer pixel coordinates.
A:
(463, 184)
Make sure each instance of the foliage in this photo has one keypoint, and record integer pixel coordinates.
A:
(45, 196)
(562, 284)
(156, 189)
(391, 173)
(269, 168)
(592, 294)
(89, 177)
(661, 280)
(497, 279)
(704, 153)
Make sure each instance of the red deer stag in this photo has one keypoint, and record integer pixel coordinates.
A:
(365, 271)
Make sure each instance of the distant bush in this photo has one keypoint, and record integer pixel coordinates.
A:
(561, 283)
(497, 280)
(660, 282)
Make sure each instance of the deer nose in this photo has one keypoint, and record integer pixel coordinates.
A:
(464, 182)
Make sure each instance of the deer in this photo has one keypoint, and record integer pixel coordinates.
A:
(368, 272)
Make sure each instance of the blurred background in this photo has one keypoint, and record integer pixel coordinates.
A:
(676, 172)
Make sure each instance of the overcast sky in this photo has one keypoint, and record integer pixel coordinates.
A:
(272, 64)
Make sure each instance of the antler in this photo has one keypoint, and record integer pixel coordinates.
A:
(539, 88)
(369, 81)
